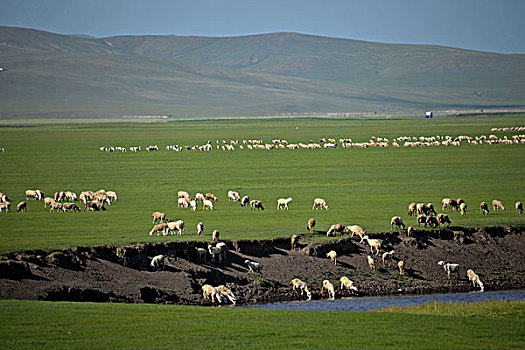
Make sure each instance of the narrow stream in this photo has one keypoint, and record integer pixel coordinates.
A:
(371, 303)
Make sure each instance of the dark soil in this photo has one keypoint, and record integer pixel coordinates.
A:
(123, 274)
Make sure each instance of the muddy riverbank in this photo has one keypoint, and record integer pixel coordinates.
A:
(123, 274)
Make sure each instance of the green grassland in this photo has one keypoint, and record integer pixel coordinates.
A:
(63, 325)
(362, 186)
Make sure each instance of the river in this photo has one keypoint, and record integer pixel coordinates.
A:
(377, 302)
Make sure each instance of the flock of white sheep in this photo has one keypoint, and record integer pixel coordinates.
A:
(331, 143)
(63, 201)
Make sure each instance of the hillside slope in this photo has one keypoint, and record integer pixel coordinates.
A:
(58, 75)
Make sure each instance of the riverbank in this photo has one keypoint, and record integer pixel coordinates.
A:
(123, 274)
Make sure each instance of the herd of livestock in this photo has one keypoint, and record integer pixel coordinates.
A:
(331, 143)
(217, 251)
(63, 201)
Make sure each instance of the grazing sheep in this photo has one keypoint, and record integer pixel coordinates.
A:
(253, 266)
(94, 206)
(193, 205)
(210, 293)
(60, 196)
(158, 216)
(211, 196)
(411, 209)
(71, 196)
(199, 197)
(293, 241)
(162, 227)
(200, 228)
(333, 256)
(421, 219)
(233, 196)
(85, 196)
(335, 228)
(346, 283)
(387, 257)
(474, 278)
(401, 266)
(519, 207)
(182, 202)
(255, 204)
(297, 284)
(484, 208)
(311, 225)
(449, 203)
(185, 195)
(71, 206)
(57, 206)
(463, 209)
(22, 206)
(373, 243)
(460, 201)
(282, 203)
(175, 225)
(421, 209)
(226, 294)
(443, 219)
(245, 201)
(6, 206)
(158, 262)
(320, 203)
(207, 204)
(449, 268)
(201, 254)
(329, 288)
(4, 198)
(215, 236)
(410, 231)
(497, 205)
(224, 250)
(215, 254)
(48, 200)
(432, 221)
(357, 230)
(430, 209)
(32, 194)
(112, 195)
(39, 194)
(398, 222)
(371, 263)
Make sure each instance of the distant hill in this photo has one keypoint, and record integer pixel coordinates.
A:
(52, 75)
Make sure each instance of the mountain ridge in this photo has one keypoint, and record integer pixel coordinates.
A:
(244, 75)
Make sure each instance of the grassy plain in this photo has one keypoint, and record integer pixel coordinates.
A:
(362, 186)
(63, 325)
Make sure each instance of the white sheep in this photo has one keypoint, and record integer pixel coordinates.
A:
(293, 241)
(449, 268)
(335, 228)
(162, 227)
(333, 256)
(519, 207)
(346, 283)
(175, 225)
(356, 230)
(158, 216)
(199, 197)
(200, 228)
(401, 266)
(223, 248)
(411, 209)
(497, 205)
(396, 221)
(484, 208)
(474, 278)
(297, 284)
(226, 294)
(253, 266)
(311, 225)
(255, 204)
(373, 243)
(245, 201)
(282, 203)
(329, 288)
(463, 209)
(211, 196)
(158, 261)
(210, 293)
(233, 196)
(207, 204)
(215, 236)
(112, 195)
(371, 263)
(215, 253)
(320, 203)
(182, 202)
(193, 205)
(386, 257)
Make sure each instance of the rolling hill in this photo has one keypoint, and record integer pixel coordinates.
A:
(52, 75)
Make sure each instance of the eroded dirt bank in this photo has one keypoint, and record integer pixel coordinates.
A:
(123, 274)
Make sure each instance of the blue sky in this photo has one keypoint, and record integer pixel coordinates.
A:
(487, 25)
